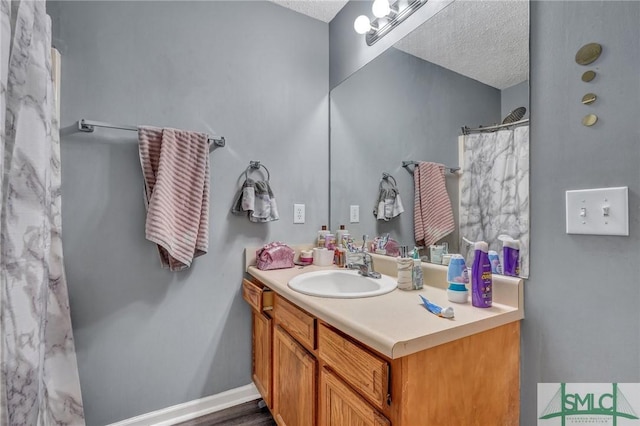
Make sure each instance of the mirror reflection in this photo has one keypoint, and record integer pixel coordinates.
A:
(465, 67)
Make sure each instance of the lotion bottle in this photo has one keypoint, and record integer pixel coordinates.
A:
(321, 236)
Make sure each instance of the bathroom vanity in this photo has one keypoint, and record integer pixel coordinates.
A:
(384, 360)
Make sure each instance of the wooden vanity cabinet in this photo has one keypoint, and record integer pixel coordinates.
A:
(312, 374)
(294, 385)
(341, 405)
(260, 299)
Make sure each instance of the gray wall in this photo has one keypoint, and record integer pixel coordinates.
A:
(254, 72)
(581, 301)
(398, 107)
(582, 319)
(514, 97)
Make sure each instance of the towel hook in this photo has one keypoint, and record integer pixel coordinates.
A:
(255, 165)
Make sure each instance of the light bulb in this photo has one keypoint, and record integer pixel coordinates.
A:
(362, 24)
(380, 8)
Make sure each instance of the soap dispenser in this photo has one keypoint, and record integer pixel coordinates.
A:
(405, 269)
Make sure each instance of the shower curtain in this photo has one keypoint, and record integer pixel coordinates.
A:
(494, 190)
(39, 382)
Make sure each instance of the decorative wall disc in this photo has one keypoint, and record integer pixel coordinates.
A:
(588, 53)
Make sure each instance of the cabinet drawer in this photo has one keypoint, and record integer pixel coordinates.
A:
(363, 370)
(259, 297)
(298, 323)
(339, 405)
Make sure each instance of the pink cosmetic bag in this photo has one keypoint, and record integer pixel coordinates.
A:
(275, 255)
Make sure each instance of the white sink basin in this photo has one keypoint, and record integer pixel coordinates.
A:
(342, 283)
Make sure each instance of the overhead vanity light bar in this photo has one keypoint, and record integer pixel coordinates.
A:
(388, 16)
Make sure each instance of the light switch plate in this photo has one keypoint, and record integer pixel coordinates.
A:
(600, 211)
(354, 214)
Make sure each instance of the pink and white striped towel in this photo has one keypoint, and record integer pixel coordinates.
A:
(175, 165)
(432, 212)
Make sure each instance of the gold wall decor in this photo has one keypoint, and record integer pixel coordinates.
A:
(588, 53)
(588, 76)
(589, 120)
(589, 98)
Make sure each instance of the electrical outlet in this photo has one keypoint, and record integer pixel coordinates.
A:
(298, 213)
(354, 216)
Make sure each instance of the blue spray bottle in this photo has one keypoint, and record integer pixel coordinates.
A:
(481, 281)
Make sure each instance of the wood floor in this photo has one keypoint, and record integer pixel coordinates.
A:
(247, 414)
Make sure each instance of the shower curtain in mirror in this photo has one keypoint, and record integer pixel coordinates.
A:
(494, 190)
(39, 382)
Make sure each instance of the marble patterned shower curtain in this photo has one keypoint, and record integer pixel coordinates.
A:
(494, 190)
(39, 382)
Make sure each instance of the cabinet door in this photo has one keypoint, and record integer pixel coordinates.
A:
(262, 355)
(341, 406)
(294, 383)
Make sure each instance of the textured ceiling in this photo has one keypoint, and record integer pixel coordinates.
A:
(324, 10)
(487, 40)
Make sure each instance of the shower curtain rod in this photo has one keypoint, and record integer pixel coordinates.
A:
(466, 130)
(88, 126)
(406, 165)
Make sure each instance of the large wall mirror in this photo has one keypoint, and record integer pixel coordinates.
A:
(466, 66)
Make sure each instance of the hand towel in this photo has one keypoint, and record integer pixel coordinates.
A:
(175, 165)
(389, 204)
(256, 199)
(433, 215)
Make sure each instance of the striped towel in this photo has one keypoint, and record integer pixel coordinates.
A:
(175, 165)
(432, 212)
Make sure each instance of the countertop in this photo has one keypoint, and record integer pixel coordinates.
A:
(396, 324)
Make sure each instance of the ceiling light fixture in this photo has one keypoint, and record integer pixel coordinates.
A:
(388, 16)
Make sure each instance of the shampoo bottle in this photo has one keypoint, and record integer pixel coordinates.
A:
(481, 282)
(510, 255)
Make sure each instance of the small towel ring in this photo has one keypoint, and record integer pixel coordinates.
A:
(386, 176)
(255, 165)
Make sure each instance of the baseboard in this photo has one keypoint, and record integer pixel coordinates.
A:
(194, 409)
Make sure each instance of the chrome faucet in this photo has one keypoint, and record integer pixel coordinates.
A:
(366, 267)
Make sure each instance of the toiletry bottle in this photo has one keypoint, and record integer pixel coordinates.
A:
(340, 234)
(330, 241)
(417, 278)
(405, 269)
(481, 281)
(510, 255)
(494, 258)
(340, 256)
(321, 236)
(457, 277)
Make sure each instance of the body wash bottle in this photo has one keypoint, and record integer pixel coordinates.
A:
(481, 280)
